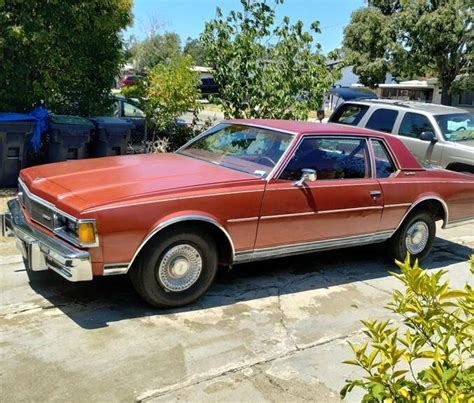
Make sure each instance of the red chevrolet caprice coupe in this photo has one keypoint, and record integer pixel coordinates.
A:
(242, 191)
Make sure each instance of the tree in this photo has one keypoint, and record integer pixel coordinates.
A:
(65, 53)
(155, 49)
(265, 70)
(410, 39)
(194, 48)
(169, 90)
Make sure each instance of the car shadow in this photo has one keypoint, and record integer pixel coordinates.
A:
(97, 303)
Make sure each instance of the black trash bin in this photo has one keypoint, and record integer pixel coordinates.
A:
(16, 131)
(111, 136)
(68, 137)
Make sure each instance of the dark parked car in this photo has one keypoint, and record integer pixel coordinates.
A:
(209, 87)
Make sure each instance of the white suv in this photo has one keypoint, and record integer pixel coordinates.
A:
(439, 135)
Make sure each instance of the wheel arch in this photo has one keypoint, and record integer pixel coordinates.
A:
(432, 203)
(226, 249)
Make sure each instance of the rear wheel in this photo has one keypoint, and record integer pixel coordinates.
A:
(176, 268)
(415, 236)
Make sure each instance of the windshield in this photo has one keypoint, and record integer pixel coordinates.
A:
(456, 126)
(244, 148)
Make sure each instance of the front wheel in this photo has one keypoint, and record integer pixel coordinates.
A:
(415, 236)
(176, 268)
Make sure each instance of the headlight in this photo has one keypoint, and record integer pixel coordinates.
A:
(79, 232)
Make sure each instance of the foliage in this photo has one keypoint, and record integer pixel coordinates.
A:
(437, 332)
(169, 90)
(194, 48)
(65, 53)
(410, 39)
(155, 49)
(265, 70)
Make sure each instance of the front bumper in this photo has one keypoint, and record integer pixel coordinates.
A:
(42, 251)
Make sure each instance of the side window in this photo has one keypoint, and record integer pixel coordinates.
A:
(413, 124)
(331, 158)
(384, 165)
(382, 120)
(349, 114)
(132, 111)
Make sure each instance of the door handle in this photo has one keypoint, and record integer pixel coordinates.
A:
(375, 194)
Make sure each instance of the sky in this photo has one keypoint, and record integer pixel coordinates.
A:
(187, 17)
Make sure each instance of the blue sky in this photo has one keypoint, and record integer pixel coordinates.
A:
(187, 17)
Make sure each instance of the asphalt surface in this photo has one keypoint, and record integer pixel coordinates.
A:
(270, 331)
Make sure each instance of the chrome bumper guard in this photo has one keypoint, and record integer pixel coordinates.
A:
(41, 251)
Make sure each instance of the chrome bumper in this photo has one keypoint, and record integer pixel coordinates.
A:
(41, 251)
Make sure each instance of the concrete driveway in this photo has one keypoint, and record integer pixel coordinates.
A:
(271, 331)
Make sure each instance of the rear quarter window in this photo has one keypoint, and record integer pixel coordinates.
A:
(382, 120)
(349, 114)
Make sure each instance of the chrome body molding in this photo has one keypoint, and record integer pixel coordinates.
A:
(245, 219)
(114, 269)
(426, 198)
(307, 247)
(457, 223)
(179, 219)
(43, 252)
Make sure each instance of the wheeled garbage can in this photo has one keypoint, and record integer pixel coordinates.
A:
(16, 131)
(68, 137)
(111, 136)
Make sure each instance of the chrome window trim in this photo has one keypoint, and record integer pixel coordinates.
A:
(58, 230)
(394, 161)
(179, 219)
(322, 135)
(294, 136)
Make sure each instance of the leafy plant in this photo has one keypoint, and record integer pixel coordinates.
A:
(436, 335)
(264, 69)
(65, 53)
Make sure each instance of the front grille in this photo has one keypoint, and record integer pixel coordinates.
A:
(38, 212)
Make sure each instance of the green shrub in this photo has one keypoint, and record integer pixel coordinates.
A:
(437, 330)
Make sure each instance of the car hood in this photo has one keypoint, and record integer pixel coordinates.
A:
(75, 186)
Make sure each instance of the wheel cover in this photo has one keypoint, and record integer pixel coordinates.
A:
(180, 267)
(417, 237)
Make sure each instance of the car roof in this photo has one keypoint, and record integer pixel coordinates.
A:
(405, 159)
(302, 127)
(434, 109)
(348, 93)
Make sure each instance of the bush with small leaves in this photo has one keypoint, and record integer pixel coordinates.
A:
(436, 334)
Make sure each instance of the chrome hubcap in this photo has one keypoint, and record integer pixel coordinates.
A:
(417, 237)
(180, 267)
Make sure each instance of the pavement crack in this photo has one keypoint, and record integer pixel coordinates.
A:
(147, 396)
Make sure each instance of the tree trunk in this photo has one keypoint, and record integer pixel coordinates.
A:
(445, 92)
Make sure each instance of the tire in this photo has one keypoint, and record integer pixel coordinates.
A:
(176, 268)
(422, 228)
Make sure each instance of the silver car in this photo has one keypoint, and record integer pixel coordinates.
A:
(440, 136)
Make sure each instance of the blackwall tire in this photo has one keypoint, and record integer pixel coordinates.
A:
(176, 268)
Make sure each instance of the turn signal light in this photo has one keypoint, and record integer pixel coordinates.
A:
(86, 233)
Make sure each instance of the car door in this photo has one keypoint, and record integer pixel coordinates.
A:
(342, 206)
(411, 127)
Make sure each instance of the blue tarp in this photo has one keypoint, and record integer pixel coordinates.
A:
(38, 115)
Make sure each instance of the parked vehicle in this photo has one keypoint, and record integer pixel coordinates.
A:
(129, 110)
(129, 80)
(439, 135)
(209, 87)
(244, 190)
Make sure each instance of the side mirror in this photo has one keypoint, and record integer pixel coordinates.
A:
(428, 136)
(307, 175)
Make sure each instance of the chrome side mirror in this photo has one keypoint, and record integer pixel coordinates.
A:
(307, 175)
